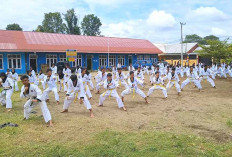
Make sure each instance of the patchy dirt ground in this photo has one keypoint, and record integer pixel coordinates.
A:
(202, 113)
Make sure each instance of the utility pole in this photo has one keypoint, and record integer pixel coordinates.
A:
(108, 52)
(181, 25)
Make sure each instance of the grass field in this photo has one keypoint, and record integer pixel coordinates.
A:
(193, 124)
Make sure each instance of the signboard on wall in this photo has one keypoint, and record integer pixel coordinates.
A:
(71, 55)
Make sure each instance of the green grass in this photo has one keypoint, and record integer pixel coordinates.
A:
(120, 144)
(229, 123)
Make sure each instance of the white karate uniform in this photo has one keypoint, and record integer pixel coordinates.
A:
(119, 65)
(76, 92)
(130, 68)
(100, 78)
(85, 84)
(221, 73)
(133, 88)
(67, 74)
(139, 75)
(205, 76)
(114, 70)
(5, 95)
(90, 81)
(51, 82)
(41, 79)
(9, 74)
(120, 79)
(158, 84)
(35, 93)
(173, 80)
(110, 91)
(54, 70)
(33, 72)
(15, 81)
(33, 79)
(192, 77)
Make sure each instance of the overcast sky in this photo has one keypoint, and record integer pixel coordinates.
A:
(155, 20)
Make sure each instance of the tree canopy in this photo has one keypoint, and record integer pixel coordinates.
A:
(91, 25)
(72, 22)
(194, 38)
(14, 26)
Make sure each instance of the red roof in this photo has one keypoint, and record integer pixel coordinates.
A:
(19, 41)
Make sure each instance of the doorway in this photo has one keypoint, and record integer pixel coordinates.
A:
(33, 61)
(89, 62)
(130, 61)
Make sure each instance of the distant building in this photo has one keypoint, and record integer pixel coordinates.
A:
(22, 50)
(172, 53)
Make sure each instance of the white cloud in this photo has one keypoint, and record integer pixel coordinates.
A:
(161, 19)
(218, 31)
(208, 14)
(106, 2)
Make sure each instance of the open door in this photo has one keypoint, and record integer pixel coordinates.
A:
(33, 62)
(89, 62)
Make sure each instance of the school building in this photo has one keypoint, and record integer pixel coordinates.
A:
(22, 50)
(172, 53)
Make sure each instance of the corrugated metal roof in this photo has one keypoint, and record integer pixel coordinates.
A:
(176, 48)
(16, 41)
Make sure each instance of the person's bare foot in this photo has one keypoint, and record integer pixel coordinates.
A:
(124, 109)
(8, 110)
(64, 111)
(214, 87)
(57, 102)
(97, 92)
(50, 124)
(179, 93)
(24, 118)
(91, 114)
(122, 99)
(90, 98)
(47, 100)
(147, 101)
(100, 105)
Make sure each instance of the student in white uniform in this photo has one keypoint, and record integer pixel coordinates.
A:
(158, 83)
(205, 75)
(84, 79)
(32, 78)
(35, 97)
(15, 79)
(54, 69)
(119, 65)
(133, 87)
(78, 70)
(191, 77)
(41, 78)
(100, 78)
(50, 80)
(114, 70)
(110, 85)
(139, 74)
(220, 72)
(5, 96)
(173, 80)
(120, 78)
(67, 74)
(32, 71)
(8, 73)
(76, 91)
(130, 68)
(89, 76)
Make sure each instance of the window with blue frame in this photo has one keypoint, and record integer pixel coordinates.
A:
(62, 58)
(1, 61)
(14, 61)
(102, 60)
(112, 60)
(77, 62)
(50, 59)
(147, 57)
(121, 59)
(139, 57)
(153, 58)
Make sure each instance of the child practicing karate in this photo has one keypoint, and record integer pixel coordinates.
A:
(41, 78)
(67, 74)
(15, 79)
(100, 78)
(5, 96)
(192, 77)
(84, 79)
(32, 78)
(35, 97)
(133, 87)
(139, 74)
(50, 80)
(120, 78)
(110, 85)
(158, 83)
(173, 80)
(205, 75)
(76, 91)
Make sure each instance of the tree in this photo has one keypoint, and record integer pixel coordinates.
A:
(91, 25)
(14, 26)
(211, 37)
(72, 22)
(217, 50)
(52, 23)
(194, 38)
